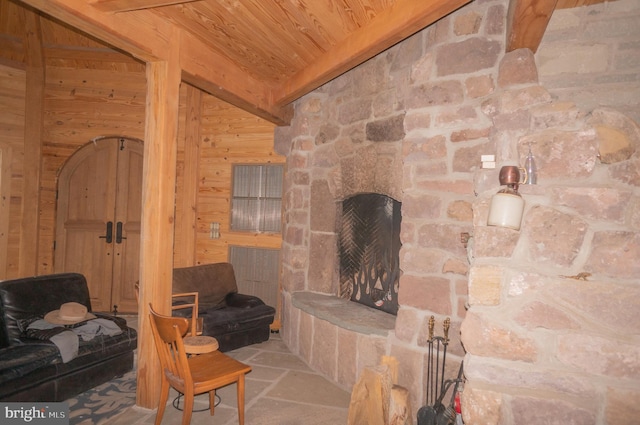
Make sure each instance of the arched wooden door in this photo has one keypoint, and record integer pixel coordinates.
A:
(98, 220)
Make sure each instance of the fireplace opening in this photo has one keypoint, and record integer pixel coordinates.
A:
(369, 251)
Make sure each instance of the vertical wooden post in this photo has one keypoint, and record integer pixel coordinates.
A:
(185, 251)
(34, 111)
(157, 223)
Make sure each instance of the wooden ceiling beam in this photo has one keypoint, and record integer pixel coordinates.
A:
(527, 21)
(401, 20)
(217, 75)
(148, 37)
(115, 6)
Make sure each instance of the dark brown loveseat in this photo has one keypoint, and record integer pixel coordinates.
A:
(31, 366)
(234, 319)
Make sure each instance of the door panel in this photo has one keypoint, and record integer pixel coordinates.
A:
(127, 240)
(102, 184)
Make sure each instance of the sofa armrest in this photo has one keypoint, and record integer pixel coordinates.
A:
(242, 300)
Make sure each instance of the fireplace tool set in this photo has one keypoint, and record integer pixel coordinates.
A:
(435, 412)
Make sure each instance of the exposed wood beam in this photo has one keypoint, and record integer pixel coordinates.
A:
(526, 23)
(400, 20)
(141, 34)
(218, 76)
(147, 37)
(158, 215)
(115, 6)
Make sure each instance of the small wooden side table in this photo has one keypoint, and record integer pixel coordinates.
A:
(200, 344)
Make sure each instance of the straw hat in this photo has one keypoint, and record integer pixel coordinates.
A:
(69, 314)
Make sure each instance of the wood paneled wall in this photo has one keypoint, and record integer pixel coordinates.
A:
(91, 91)
(12, 106)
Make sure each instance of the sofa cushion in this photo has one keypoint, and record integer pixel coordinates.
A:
(29, 297)
(212, 282)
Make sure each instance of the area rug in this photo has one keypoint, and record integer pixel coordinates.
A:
(104, 402)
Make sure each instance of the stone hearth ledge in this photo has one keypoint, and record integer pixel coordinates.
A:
(345, 313)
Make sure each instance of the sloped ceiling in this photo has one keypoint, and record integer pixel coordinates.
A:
(262, 55)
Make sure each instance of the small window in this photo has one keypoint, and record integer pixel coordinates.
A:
(256, 203)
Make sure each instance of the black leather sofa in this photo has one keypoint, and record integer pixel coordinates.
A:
(31, 369)
(235, 320)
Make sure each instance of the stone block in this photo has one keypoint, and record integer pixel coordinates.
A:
(536, 411)
(558, 383)
(579, 59)
(322, 267)
(460, 210)
(418, 148)
(515, 99)
(435, 94)
(540, 315)
(370, 349)
(607, 303)
(469, 134)
(323, 208)
(445, 236)
(482, 336)
(622, 406)
(618, 135)
(598, 203)
(562, 154)
(485, 285)
(346, 371)
(325, 348)
(421, 206)
(494, 20)
(479, 86)
(467, 23)
(481, 406)
(555, 114)
(305, 336)
(423, 260)
(407, 324)
(471, 55)
(553, 237)
(426, 293)
(616, 254)
(517, 67)
(499, 242)
(354, 111)
(599, 356)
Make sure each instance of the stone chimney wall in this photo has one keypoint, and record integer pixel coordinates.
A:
(548, 315)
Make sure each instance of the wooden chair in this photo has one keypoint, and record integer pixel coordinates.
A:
(192, 375)
(192, 303)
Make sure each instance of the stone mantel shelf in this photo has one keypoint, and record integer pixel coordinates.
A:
(345, 313)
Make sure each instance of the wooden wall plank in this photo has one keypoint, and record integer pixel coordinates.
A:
(34, 111)
(187, 195)
(12, 121)
(5, 199)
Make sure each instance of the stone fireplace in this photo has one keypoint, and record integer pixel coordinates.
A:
(547, 317)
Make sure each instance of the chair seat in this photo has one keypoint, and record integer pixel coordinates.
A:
(215, 369)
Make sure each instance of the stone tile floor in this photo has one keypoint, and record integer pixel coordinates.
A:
(280, 390)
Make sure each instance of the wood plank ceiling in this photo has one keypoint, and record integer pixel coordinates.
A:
(262, 55)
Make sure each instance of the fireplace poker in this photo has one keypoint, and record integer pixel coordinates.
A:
(445, 327)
